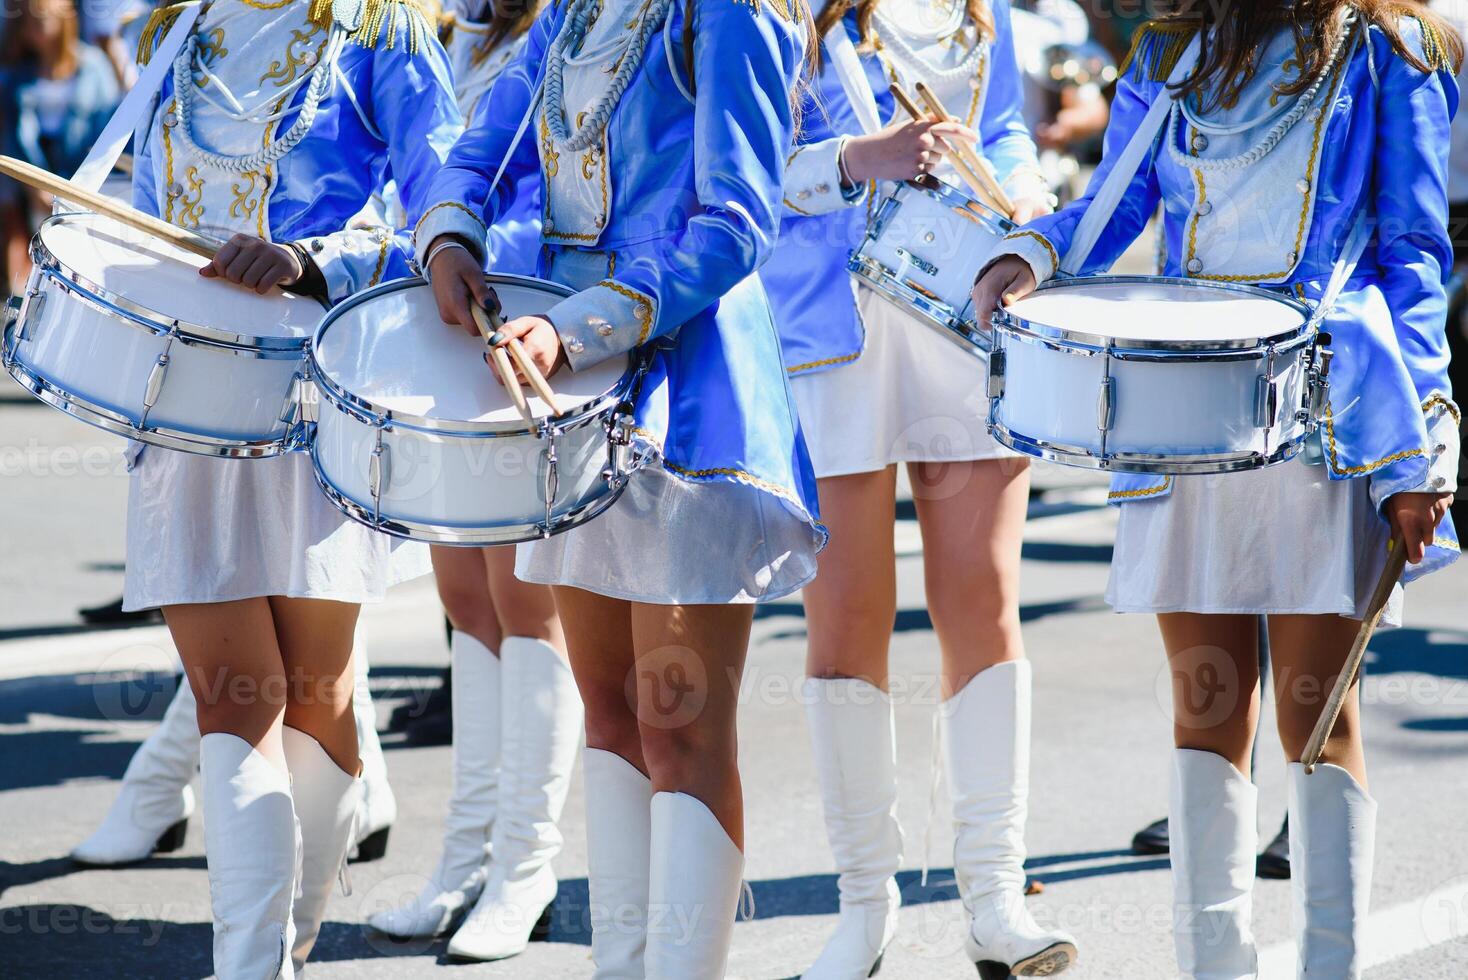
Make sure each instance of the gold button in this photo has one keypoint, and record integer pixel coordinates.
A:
(605, 329)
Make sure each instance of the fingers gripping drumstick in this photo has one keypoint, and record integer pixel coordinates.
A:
(501, 362)
(1395, 563)
(978, 187)
(977, 164)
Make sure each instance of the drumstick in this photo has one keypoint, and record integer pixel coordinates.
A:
(972, 179)
(199, 245)
(978, 165)
(532, 372)
(1395, 563)
(501, 363)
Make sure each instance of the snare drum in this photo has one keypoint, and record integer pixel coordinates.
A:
(1135, 374)
(117, 328)
(417, 437)
(922, 251)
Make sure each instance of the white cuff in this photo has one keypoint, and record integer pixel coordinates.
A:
(1031, 246)
(1443, 446)
(1027, 182)
(449, 218)
(813, 179)
(350, 261)
(601, 322)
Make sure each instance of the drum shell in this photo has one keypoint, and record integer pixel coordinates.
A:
(460, 488)
(922, 252)
(213, 399)
(1175, 407)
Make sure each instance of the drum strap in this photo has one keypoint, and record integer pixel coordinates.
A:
(1345, 268)
(137, 106)
(1113, 189)
(846, 63)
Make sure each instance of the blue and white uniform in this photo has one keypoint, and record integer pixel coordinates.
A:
(478, 62)
(1265, 190)
(659, 207)
(874, 385)
(228, 152)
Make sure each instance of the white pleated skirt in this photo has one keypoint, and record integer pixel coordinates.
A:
(913, 396)
(1286, 539)
(219, 530)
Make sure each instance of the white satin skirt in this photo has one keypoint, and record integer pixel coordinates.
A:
(913, 396)
(218, 530)
(1286, 539)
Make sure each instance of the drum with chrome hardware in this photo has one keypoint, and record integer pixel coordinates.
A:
(118, 329)
(1138, 374)
(922, 250)
(416, 437)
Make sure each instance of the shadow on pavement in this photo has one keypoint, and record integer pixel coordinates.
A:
(1412, 651)
(78, 942)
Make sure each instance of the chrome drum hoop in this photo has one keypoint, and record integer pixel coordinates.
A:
(120, 308)
(966, 333)
(1144, 463)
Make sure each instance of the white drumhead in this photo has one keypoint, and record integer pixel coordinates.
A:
(1158, 311)
(159, 277)
(395, 352)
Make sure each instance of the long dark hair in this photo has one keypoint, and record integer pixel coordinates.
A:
(797, 11)
(1235, 32)
(507, 19)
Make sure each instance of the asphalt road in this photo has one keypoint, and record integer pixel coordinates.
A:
(74, 703)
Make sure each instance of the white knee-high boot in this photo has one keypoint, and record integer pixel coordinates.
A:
(1212, 815)
(152, 809)
(693, 891)
(327, 801)
(540, 731)
(986, 749)
(854, 741)
(461, 871)
(379, 806)
(251, 843)
(1332, 847)
(618, 857)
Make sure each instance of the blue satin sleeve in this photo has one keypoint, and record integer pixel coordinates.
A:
(460, 201)
(1007, 140)
(746, 62)
(1414, 254)
(1044, 241)
(145, 191)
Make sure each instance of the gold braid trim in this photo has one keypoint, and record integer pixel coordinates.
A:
(643, 308)
(1144, 492)
(159, 23)
(1435, 50)
(380, 22)
(1157, 48)
(828, 362)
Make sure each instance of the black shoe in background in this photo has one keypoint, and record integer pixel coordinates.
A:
(1275, 861)
(111, 614)
(1152, 839)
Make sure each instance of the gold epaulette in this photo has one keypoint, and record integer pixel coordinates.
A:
(379, 23)
(1435, 49)
(1156, 49)
(159, 22)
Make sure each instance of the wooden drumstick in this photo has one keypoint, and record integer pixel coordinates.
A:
(979, 189)
(200, 245)
(975, 163)
(532, 372)
(1396, 562)
(501, 362)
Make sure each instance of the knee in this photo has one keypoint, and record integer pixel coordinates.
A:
(470, 612)
(238, 702)
(1297, 722)
(611, 723)
(685, 755)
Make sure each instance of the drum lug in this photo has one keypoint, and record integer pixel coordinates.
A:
(288, 412)
(996, 373)
(1266, 402)
(379, 473)
(550, 478)
(1106, 404)
(156, 377)
(32, 305)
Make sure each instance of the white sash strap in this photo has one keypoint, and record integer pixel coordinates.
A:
(1345, 267)
(136, 107)
(846, 63)
(1104, 204)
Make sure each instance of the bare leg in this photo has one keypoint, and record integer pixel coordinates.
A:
(972, 517)
(462, 575)
(1215, 683)
(1309, 653)
(233, 663)
(316, 646)
(599, 639)
(852, 604)
(523, 609)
